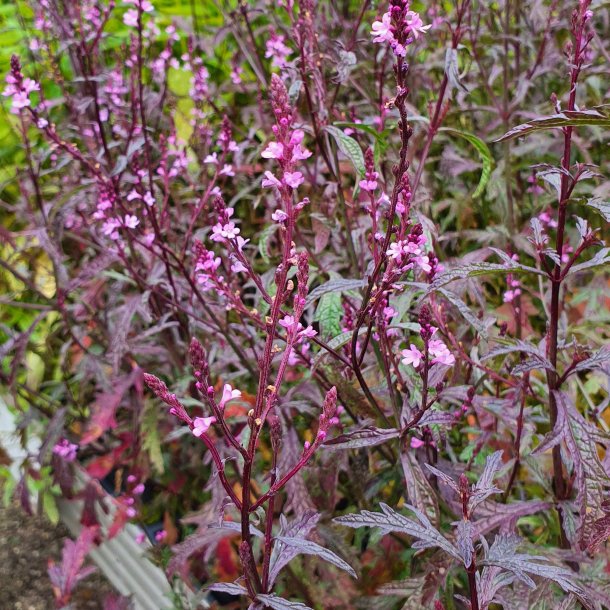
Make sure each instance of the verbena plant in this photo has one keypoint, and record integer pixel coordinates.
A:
(358, 251)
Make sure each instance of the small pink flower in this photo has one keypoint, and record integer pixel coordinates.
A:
(416, 443)
(131, 222)
(382, 30)
(141, 538)
(446, 358)
(288, 322)
(133, 194)
(160, 535)
(274, 150)
(130, 18)
(308, 332)
(202, 424)
(227, 170)
(149, 200)
(368, 185)
(228, 393)
(213, 158)
(270, 180)
(415, 25)
(66, 450)
(412, 356)
(138, 489)
(293, 179)
(279, 216)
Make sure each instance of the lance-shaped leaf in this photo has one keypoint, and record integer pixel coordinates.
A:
(283, 553)
(502, 554)
(479, 325)
(419, 491)
(484, 487)
(601, 258)
(464, 541)
(525, 347)
(365, 437)
(349, 147)
(231, 588)
(573, 118)
(308, 547)
(591, 480)
(390, 521)
(334, 285)
(279, 603)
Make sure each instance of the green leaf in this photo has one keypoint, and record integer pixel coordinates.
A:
(349, 147)
(329, 313)
(601, 207)
(152, 442)
(567, 118)
(484, 156)
(50, 508)
(264, 241)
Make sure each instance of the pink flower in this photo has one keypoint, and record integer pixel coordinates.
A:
(382, 30)
(149, 200)
(270, 180)
(293, 179)
(133, 194)
(160, 535)
(308, 332)
(416, 443)
(138, 489)
(141, 538)
(213, 158)
(412, 356)
(446, 358)
(424, 263)
(299, 153)
(66, 450)
(202, 424)
(228, 393)
(227, 170)
(130, 18)
(415, 25)
(274, 150)
(131, 222)
(279, 216)
(368, 185)
(288, 322)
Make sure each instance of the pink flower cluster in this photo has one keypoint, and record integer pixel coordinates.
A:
(66, 450)
(399, 27)
(132, 15)
(19, 88)
(432, 347)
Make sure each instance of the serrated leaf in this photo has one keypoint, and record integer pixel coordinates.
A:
(307, 547)
(502, 554)
(419, 491)
(365, 437)
(349, 147)
(329, 313)
(574, 118)
(279, 603)
(333, 285)
(591, 481)
(600, 259)
(466, 312)
(231, 588)
(601, 207)
(391, 521)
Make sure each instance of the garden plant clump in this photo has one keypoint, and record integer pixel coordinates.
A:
(316, 292)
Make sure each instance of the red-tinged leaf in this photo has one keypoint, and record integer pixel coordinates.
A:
(591, 480)
(419, 491)
(105, 406)
(100, 466)
(117, 602)
(120, 518)
(65, 576)
(90, 496)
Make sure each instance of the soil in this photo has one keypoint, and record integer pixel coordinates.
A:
(26, 544)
